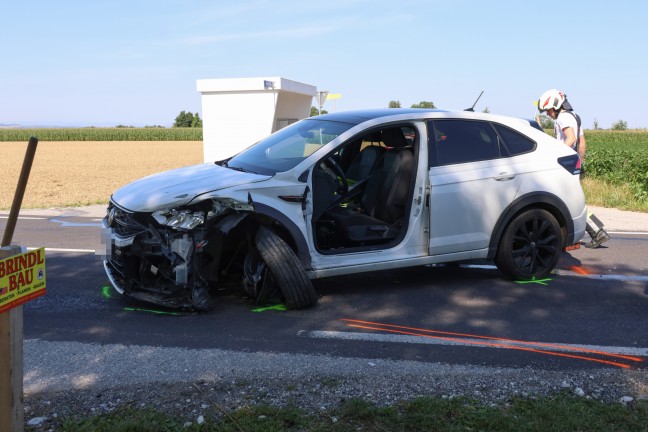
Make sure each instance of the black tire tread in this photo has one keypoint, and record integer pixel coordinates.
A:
(287, 270)
(503, 259)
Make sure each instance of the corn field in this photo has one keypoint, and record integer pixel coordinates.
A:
(103, 134)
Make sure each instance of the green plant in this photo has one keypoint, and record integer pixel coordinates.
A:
(104, 134)
(561, 412)
(619, 158)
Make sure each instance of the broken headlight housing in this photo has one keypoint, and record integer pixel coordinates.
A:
(179, 219)
(189, 219)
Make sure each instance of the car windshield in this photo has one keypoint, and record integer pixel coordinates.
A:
(287, 147)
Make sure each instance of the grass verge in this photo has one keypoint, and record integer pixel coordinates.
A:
(561, 413)
(603, 194)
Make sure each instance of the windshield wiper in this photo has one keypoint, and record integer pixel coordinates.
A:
(235, 168)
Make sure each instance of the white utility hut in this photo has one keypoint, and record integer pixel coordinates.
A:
(238, 112)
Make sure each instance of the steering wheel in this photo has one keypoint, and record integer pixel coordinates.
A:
(343, 184)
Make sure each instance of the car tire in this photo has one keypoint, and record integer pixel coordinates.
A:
(531, 246)
(286, 269)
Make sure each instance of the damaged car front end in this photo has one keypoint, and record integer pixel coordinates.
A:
(167, 257)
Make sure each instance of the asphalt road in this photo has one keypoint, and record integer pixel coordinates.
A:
(591, 314)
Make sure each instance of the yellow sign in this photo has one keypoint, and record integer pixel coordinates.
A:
(333, 96)
(22, 278)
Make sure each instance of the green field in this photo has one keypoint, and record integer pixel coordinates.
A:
(103, 134)
(619, 157)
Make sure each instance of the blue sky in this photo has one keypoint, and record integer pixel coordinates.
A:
(103, 63)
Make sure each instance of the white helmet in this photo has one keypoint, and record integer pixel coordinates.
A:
(551, 99)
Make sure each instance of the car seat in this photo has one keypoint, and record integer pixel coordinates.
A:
(364, 162)
(383, 203)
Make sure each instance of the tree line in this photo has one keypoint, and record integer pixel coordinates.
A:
(392, 104)
(188, 119)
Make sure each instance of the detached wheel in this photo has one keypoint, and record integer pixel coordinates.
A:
(286, 270)
(531, 246)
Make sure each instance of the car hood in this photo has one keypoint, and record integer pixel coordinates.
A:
(178, 187)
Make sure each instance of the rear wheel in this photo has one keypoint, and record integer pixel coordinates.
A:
(531, 245)
(284, 270)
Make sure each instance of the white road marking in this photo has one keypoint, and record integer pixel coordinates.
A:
(58, 221)
(560, 272)
(629, 232)
(471, 342)
(63, 250)
(25, 217)
(623, 278)
(74, 224)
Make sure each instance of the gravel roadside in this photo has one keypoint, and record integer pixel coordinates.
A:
(67, 379)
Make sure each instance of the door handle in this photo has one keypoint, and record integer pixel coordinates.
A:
(504, 176)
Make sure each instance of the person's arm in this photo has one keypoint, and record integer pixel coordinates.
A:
(581, 148)
(570, 136)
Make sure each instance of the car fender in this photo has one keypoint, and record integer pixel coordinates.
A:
(543, 200)
(291, 228)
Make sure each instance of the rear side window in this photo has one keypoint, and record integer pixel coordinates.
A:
(515, 142)
(461, 141)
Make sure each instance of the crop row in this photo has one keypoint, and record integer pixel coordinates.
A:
(103, 134)
(619, 157)
(620, 167)
(632, 139)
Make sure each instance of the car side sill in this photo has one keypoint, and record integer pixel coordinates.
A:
(390, 265)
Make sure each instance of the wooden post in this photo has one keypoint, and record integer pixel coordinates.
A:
(12, 415)
(20, 191)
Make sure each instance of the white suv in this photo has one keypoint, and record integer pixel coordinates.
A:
(346, 193)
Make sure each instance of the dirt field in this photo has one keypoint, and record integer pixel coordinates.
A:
(74, 173)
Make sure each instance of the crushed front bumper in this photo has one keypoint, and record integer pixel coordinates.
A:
(147, 263)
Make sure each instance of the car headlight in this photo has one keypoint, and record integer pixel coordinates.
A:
(179, 219)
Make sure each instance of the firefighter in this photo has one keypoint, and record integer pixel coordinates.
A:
(567, 128)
